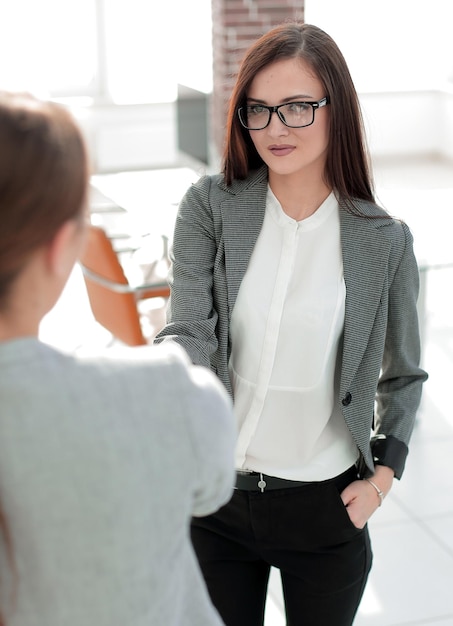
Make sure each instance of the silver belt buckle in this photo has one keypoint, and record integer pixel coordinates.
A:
(262, 483)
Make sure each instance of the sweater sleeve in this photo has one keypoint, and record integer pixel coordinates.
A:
(212, 431)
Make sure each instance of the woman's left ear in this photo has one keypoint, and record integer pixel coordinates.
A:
(64, 249)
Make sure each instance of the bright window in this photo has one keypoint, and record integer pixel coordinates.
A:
(48, 46)
(119, 51)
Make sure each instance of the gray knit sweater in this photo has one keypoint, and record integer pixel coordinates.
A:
(102, 464)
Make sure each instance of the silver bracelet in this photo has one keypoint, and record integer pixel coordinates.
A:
(380, 493)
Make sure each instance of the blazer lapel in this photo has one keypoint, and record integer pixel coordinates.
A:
(365, 259)
(242, 220)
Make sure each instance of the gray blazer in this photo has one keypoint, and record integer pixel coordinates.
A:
(381, 381)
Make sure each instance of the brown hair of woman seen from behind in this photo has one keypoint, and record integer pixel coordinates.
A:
(43, 178)
(43, 183)
(348, 165)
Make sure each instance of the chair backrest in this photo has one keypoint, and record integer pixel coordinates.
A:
(117, 312)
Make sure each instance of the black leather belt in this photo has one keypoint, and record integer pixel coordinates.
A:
(255, 481)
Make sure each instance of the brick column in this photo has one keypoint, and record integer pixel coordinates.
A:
(236, 25)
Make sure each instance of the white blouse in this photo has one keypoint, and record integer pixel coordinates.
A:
(285, 330)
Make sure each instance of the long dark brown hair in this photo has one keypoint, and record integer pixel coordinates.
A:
(348, 164)
(43, 183)
(43, 178)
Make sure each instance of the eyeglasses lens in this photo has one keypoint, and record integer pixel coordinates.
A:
(295, 115)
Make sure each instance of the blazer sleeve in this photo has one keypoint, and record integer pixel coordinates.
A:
(191, 316)
(400, 384)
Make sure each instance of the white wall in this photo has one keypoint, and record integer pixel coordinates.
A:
(406, 123)
(390, 45)
(399, 53)
(446, 115)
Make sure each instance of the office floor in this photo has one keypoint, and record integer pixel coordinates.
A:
(411, 581)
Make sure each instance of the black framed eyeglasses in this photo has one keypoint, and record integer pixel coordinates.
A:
(292, 114)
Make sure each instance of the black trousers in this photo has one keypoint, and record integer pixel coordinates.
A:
(305, 532)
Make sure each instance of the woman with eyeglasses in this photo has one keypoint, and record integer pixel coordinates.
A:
(292, 285)
(103, 460)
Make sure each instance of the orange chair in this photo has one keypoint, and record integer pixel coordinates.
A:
(113, 300)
